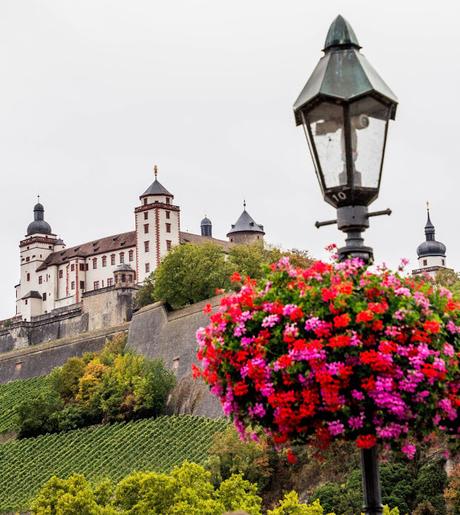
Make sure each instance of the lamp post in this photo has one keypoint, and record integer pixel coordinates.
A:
(345, 108)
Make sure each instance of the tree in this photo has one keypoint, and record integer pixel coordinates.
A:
(145, 294)
(449, 279)
(190, 273)
(452, 492)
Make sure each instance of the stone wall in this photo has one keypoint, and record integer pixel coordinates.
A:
(108, 307)
(41, 359)
(157, 333)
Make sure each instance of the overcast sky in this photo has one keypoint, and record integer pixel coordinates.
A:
(94, 92)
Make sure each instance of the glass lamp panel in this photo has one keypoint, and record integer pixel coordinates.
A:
(368, 122)
(327, 137)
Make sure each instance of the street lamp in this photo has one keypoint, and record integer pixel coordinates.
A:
(345, 108)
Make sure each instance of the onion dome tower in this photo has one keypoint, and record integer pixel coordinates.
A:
(431, 253)
(246, 230)
(39, 226)
(206, 227)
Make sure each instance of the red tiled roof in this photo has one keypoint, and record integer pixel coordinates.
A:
(101, 246)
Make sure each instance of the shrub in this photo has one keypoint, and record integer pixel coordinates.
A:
(452, 492)
(430, 485)
(105, 387)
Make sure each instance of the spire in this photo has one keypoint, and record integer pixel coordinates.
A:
(155, 171)
(429, 227)
(244, 205)
(156, 188)
(206, 227)
(38, 226)
(341, 34)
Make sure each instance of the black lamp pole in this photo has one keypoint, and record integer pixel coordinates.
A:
(344, 109)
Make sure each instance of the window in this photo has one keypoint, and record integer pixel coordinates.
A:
(27, 259)
(87, 266)
(82, 267)
(168, 245)
(168, 200)
(94, 263)
(104, 260)
(146, 228)
(82, 285)
(110, 281)
(44, 296)
(72, 285)
(168, 215)
(425, 262)
(40, 279)
(146, 246)
(122, 257)
(443, 262)
(96, 285)
(28, 277)
(146, 215)
(112, 259)
(102, 282)
(25, 302)
(72, 267)
(147, 268)
(61, 274)
(131, 255)
(145, 202)
(168, 227)
(123, 278)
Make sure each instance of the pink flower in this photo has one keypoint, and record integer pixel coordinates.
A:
(336, 427)
(409, 450)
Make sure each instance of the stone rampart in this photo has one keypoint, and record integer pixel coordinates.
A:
(157, 333)
(40, 359)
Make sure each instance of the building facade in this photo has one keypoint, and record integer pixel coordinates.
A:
(53, 276)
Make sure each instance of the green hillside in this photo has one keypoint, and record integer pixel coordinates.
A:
(12, 394)
(102, 451)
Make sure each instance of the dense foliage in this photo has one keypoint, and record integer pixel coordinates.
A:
(335, 351)
(109, 386)
(13, 394)
(190, 273)
(111, 451)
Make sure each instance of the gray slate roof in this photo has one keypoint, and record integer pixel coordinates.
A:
(156, 189)
(246, 223)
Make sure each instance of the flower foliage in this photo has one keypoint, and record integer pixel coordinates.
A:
(336, 351)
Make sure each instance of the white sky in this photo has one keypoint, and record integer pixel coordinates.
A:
(93, 92)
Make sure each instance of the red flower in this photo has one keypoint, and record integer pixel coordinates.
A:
(366, 441)
(328, 294)
(378, 307)
(342, 320)
(235, 277)
(364, 316)
(377, 325)
(207, 309)
(431, 326)
(291, 457)
(339, 341)
(240, 389)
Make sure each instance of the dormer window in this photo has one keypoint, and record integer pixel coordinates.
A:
(168, 200)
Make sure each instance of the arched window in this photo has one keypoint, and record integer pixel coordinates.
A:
(122, 257)
(131, 255)
(112, 259)
(104, 260)
(94, 263)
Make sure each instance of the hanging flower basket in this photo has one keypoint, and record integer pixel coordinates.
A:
(336, 351)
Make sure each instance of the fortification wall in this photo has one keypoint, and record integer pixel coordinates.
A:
(40, 359)
(157, 333)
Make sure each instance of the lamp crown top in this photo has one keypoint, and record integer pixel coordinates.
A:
(341, 34)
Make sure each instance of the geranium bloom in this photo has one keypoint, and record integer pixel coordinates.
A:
(335, 351)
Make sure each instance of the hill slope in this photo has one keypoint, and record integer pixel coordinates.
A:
(102, 451)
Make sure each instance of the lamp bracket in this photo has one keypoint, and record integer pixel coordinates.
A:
(349, 216)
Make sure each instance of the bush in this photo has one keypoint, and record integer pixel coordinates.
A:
(105, 387)
(452, 492)
(430, 485)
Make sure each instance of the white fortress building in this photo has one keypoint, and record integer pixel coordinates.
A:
(54, 276)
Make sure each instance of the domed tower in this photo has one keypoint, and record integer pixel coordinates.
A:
(206, 227)
(38, 226)
(431, 253)
(246, 230)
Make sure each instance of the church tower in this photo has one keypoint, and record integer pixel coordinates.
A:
(37, 245)
(431, 253)
(157, 227)
(246, 230)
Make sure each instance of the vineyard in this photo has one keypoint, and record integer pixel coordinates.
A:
(101, 451)
(12, 394)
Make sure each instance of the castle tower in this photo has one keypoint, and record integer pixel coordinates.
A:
(431, 253)
(246, 230)
(206, 227)
(157, 227)
(34, 291)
